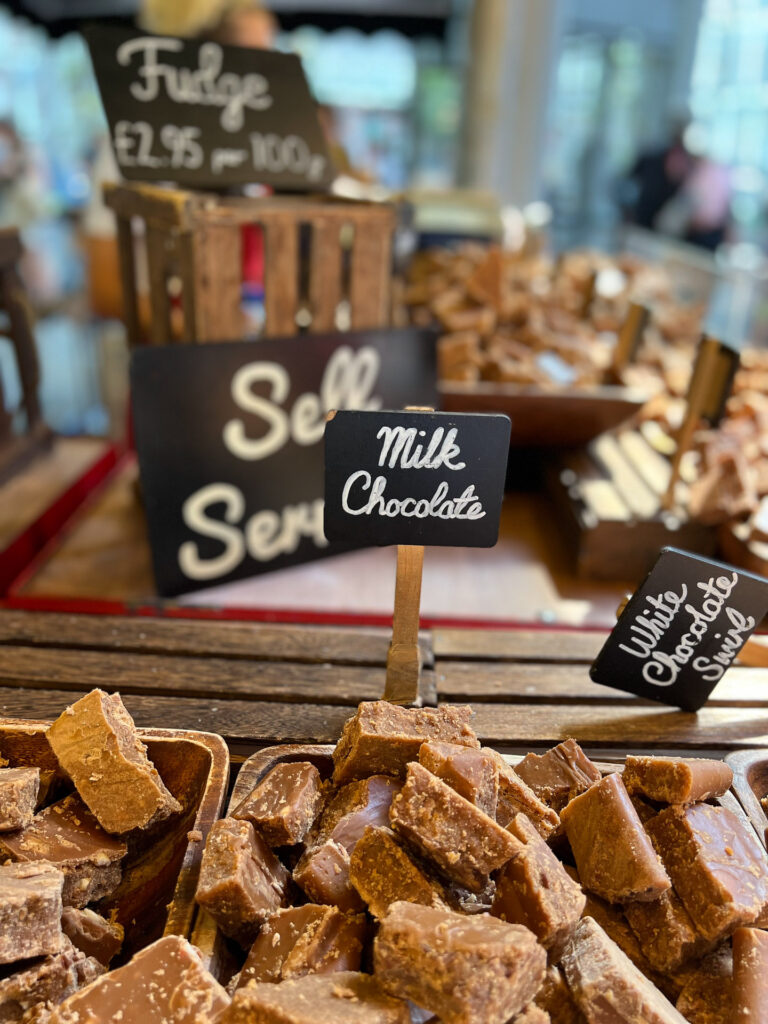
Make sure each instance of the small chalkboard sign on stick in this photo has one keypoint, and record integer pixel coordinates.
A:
(681, 630)
(413, 478)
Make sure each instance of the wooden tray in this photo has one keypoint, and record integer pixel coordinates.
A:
(156, 894)
(750, 784)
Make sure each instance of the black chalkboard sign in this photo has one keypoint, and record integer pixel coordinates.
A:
(230, 443)
(205, 115)
(681, 630)
(415, 477)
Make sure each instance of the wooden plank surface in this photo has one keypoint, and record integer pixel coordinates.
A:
(518, 644)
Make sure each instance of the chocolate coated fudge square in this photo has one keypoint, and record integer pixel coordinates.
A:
(382, 738)
(515, 797)
(555, 998)
(448, 830)
(718, 867)
(750, 975)
(343, 998)
(97, 745)
(467, 970)
(534, 890)
(241, 881)
(165, 983)
(473, 773)
(665, 931)
(92, 933)
(323, 874)
(607, 986)
(284, 805)
(383, 873)
(305, 940)
(18, 797)
(30, 911)
(676, 780)
(558, 775)
(613, 852)
(68, 836)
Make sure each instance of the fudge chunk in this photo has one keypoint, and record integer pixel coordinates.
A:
(355, 807)
(383, 873)
(607, 986)
(515, 797)
(558, 775)
(718, 867)
(35, 982)
(30, 910)
(305, 940)
(382, 738)
(708, 1000)
(165, 983)
(18, 797)
(750, 975)
(68, 836)
(97, 745)
(92, 933)
(463, 842)
(533, 889)
(665, 931)
(613, 852)
(285, 803)
(467, 970)
(676, 780)
(323, 874)
(241, 881)
(532, 1014)
(474, 774)
(343, 998)
(555, 998)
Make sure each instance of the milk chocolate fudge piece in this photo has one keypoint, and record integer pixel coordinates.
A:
(35, 982)
(607, 986)
(343, 998)
(305, 940)
(18, 797)
(97, 745)
(92, 933)
(718, 868)
(465, 844)
(516, 797)
(381, 738)
(665, 931)
(285, 803)
(473, 773)
(750, 976)
(68, 836)
(467, 970)
(708, 1000)
(383, 873)
(323, 874)
(30, 911)
(241, 881)
(558, 775)
(555, 998)
(164, 983)
(355, 807)
(533, 889)
(613, 852)
(676, 780)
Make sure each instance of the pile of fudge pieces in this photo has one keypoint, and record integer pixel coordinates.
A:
(61, 854)
(426, 880)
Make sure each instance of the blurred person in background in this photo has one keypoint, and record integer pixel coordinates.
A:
(655, 179)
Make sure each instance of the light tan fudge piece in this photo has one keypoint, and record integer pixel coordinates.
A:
(467, 970)
(241, 881)
(515, 797)
(534, 890)
(30, 911)
(449, 831)
(383, 873)
(284, 805)
(676, 780)
(18, 797)
(381, 738)
(558, 775)
(343, 998)
(555, 997)
(750, 976)
(97, 745)
(532, 1014)
(665, 931)
(474, 774)
(613, 852)
(607, 986)
(323, 874)
(92, 933)
(164, 983)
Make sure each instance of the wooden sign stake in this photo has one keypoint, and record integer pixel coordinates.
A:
(404, 659)
(628, 341)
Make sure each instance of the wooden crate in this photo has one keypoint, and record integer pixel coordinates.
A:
(195, 238)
